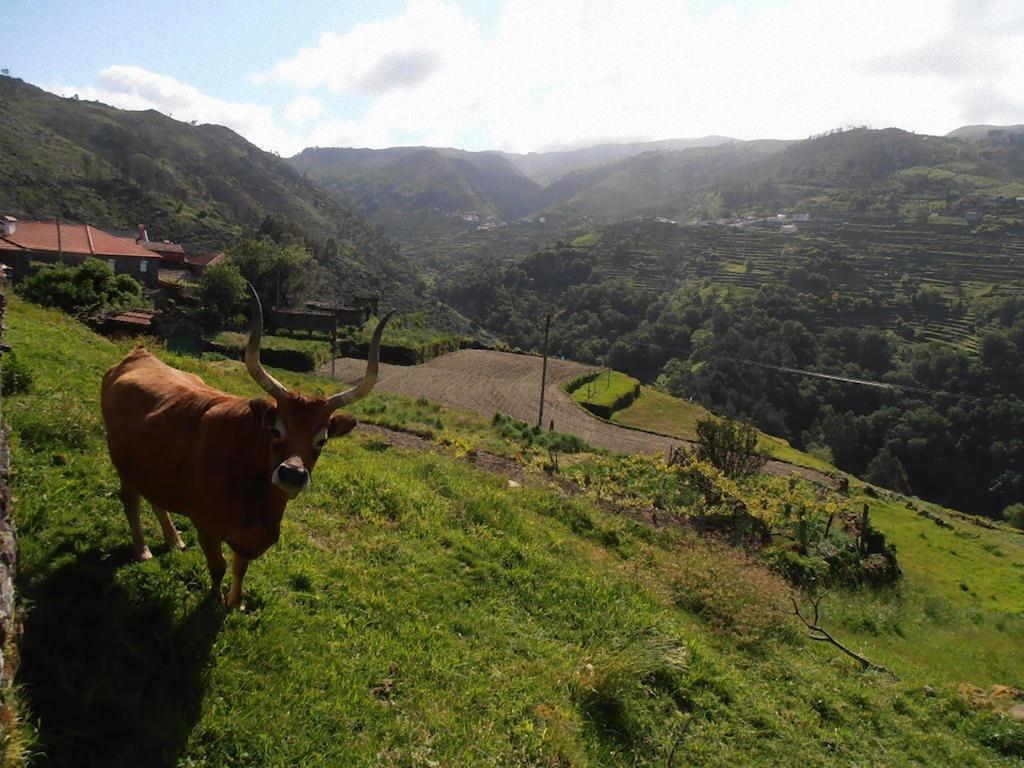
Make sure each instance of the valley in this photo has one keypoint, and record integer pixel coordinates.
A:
(785, 378)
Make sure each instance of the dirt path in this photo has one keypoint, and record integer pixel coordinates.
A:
(489, 382)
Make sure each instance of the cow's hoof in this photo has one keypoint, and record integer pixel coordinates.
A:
(234, 605)
(145, 554)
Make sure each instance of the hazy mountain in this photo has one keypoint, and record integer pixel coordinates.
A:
(414, 179)
(986, 132)
(545, 167)
(653, 183)
(844, 170)
(200, 184)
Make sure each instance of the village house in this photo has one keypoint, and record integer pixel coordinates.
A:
(24, 242)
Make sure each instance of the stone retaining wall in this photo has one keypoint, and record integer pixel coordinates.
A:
(8, 561)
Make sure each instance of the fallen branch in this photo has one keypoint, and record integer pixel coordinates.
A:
(678, 741)
(819, 633)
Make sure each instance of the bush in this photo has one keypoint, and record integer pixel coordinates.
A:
(1014, 515)
(887, 471)
(17, 378)
(729, 445)
(221, 291)
(91, 286)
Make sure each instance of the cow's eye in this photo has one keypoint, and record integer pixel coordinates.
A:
(319, 444)
(276, 433)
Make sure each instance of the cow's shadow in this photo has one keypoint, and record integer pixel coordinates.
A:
(110, 680)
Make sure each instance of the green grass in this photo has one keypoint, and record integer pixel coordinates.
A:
(318, 349)
(960, 606)
(403, 334)
(660, 412)
(417, 612)
(605, 391)
(587, 241)
(657, 411)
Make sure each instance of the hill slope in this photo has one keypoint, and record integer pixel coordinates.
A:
(986, 132)
(857, 169)
(419, 611)
(545, 167)
(413, 179)
(199, 184)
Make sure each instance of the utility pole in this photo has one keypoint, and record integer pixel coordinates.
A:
(544, 371)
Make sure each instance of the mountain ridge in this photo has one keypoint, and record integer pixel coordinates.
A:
(203, 185)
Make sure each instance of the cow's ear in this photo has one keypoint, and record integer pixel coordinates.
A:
(340, 424)
(265, 411)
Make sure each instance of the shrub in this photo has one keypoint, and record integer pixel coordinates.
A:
(17, 378)
(91, 286)
(221, 290)
(887, 471)
(729, 445)
(1014, 515)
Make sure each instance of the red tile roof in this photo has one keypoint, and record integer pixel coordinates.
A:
(205, 259)
(134, 317)
(152, 245)
(57, 236)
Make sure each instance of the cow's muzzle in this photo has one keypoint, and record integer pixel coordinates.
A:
(291, 479)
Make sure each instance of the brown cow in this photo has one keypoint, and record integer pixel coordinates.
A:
(230, 464)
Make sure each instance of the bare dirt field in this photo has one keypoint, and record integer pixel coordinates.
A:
(487, 382)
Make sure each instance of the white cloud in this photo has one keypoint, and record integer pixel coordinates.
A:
(575, 71)
(130, 87)
(302, 109)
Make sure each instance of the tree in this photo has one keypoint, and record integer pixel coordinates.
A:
(1014, 515)
(887, 470)
(282, 274)
(730, 445)
(221, 290)
(90, 286)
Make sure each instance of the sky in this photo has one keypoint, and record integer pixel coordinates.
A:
(528, 75)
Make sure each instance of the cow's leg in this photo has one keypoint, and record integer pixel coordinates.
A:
(171, 536)
(239, 565)
(214, 561)
(130, 499)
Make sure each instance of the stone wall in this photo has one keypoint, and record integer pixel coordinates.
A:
(8, 559)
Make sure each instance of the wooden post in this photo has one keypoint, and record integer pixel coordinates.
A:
(862, 544)
(802, 531)
(544, 371)
(334, 349)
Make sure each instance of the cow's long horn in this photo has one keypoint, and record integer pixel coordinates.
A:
(363, 388)
(273, 387)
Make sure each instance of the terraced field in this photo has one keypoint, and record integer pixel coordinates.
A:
(490, 382)
(875, 260)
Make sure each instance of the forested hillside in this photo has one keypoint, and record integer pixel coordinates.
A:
(199, 184)
(886, 171)
(706, 312)
(413, 179)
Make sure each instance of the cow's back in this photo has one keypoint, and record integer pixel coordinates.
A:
(153, 415)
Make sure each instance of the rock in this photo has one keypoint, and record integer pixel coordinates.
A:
(514, 484)
(929, 691)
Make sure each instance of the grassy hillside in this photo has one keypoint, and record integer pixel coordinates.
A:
(420, 179)
(660, 412)
(199, 184)
(419, 611)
